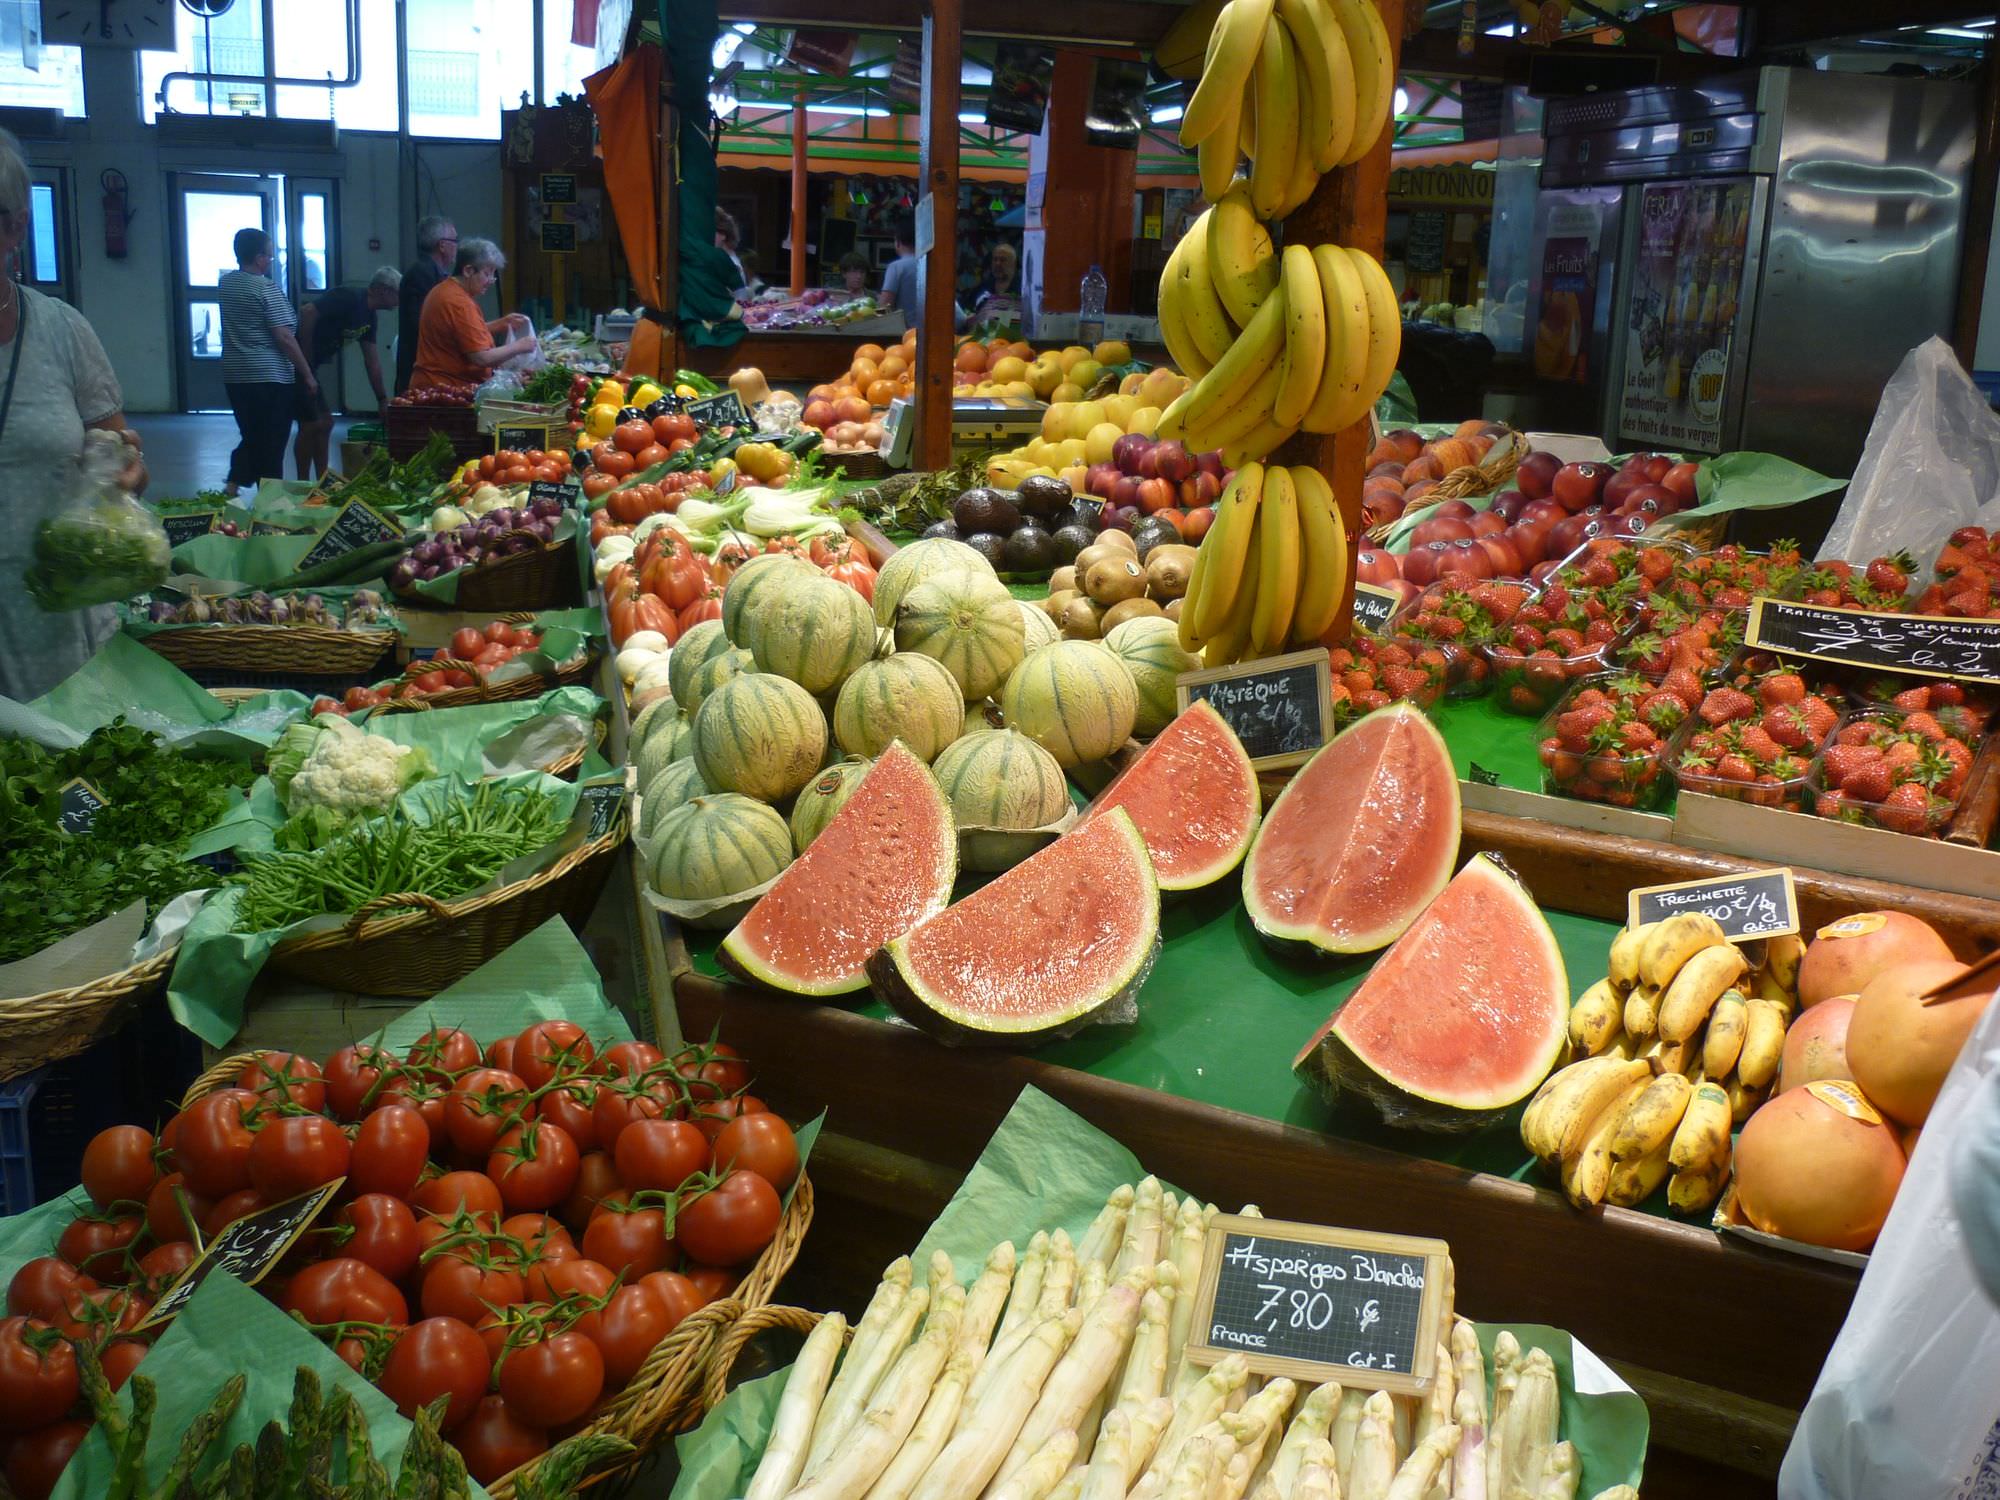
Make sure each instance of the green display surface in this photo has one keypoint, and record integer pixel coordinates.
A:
(1481, 733)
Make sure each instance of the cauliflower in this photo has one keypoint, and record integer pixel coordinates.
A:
(329, 773)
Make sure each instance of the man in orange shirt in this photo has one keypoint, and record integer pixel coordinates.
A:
(455, 339)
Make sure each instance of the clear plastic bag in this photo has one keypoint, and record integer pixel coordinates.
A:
(103, 545)
(530, 362)
(502, 385)
(1931, 464)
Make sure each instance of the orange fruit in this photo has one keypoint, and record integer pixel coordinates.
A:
(868, 352)
(881, 392)
(971, 358)
(863, 371)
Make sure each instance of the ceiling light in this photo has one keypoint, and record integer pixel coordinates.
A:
(1168, 112)
(1957, 31)
(1402, 100)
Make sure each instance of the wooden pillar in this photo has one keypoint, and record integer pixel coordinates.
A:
(669, 249)
(937, 229)
(1349, 207)
(799, 194)
(1977, 240)
(1084, 217)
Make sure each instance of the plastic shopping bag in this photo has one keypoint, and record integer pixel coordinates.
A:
(1931, 465)
(1907, 1406)
(101, 545)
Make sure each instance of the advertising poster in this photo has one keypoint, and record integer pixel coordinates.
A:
(1681, 315)
(1572, 259)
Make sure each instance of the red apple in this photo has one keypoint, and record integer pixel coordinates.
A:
(1657, 466)
(1393, 469)
(1382, 507)
(1417, 491)
(1621, 484)
(1156, 494)
(1632, 523)
(1148, 466)
(1438, 528)
(1376, 565)
(1125, 491)
(1546, 508)
(1566, 536)
(1406, 443)
(1579, 485)
(1465, 559)
(1679, 482)
(1119, 517)
(1172, 460)
(1540, 572)
(1207, 488)
(1211, 463)
(1420, 564)
(1537, 474)
(1199, 520)
(1658, 496)
(1487, 522)
(1507, 504)
(1530, 539)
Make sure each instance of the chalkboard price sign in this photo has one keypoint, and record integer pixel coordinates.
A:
(1759, 905)
(558, 237)
(1281, 707)
(1321, 1304)
(519, 437)
(1373, 606)
(185, 528)
(355, 527)
(248, 1248)
(558, 187)
(716, 411)
(79, 805)
(605, 799)
(546, 489)
(1928, 645)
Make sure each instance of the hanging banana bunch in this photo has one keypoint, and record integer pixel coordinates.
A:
(1269, 573)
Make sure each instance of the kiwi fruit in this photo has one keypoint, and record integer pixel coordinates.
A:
(1113, 580)
(1128, 609)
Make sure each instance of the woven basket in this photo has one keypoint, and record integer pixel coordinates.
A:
(1482, 478)
(306, 649)
(46, 1028)
(540, 578)
(754, 1321)
(528, 685)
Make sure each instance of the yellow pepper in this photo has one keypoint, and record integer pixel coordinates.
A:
(687, 393)
(763, 462)
(600, 420)
(720, 469)
(611, 393)
(645, 395)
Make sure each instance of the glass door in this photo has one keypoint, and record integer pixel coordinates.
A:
(47, 258)
(313, 264)
(208, 211)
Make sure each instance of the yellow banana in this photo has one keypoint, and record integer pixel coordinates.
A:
(1305, 335)
(1650, 1120)
(1586, 1176)
(1673, 1057)
(1595, 1019)
(1701, 1140)
(1233, 424)
(1338, 402)
(1232, 53)
(1217, 154)
(1242, 266)
(1767, 987)
(1374, 73)
(1323, 565)
(1696, 987)
(1625, 949)
(1693, 1192)
(1642, 1013)
(1781, 961)
(1232, 641)
(1224, 388)
(1304, 178)
(1570, 1102)
(1763, 1043)
(1277, 562)
(1200, 309)
(1744, 1099)
(1174, 331)
(1636, 1179)
(1385, 325)
(1184, 628)
(1722, 1041)
(1235, 516)
(1327, 154)
(1256, 445)
(1275, 81)
(1671, 943)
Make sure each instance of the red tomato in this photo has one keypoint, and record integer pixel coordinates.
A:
(212, 1144)
(90, 1317)
(229, 1208)
(613, 461)
(680, 1294)
(857, 575)
(499, 632)
(493, 1441)
(542, 1237)
(390, 1150)
(345, 1289)
(629, 1059)
(427, 1099)
(731, 1223)
(294, 1154)
(441, 1055)
(444, 1196)
(630, 1327)
(429, 682)
(172, 1212)
(712, 1119)
(571, 1108)
(712, 1282)
(480, 1106)
(535, 1166)
(707, 607)
(622, 1101)
(118, 1166)
(39, 1287)
(385, 1234)
(549, 1280)
(595, 1176)
(159, 1266)
(496, 1327)
(284, 1078)
(501, 1054)
(649, 455)
(437, 1357)
(352, 1074)
(466, 643)
(96, 1246)
(35, 1462)
(762, 1143)
(549, 1049)
(659, 1154)
(464, 1289)
(719, 1066)
(634, 1242)
(630, 437)
(552, 1380)
(685, 581)
(595, 484)
(120, 1358)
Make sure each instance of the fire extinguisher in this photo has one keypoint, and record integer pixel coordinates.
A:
(116, 215)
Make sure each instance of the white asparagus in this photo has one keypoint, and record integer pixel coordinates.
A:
(1149, 1487)
(1468, 1463)
(868, 1446)
(1437, 1407)
(1560, 1473)
(1316, 1478)
(1141, 1245)
(933, 1429)
(1310, 1425)
(1200, 1405)
(1261, 1418)
(840, 1414)
(1071, 1485)
(1448, 1286)
(1107, 1230)
(1059, 1279)
(939, 1274)
(969, 1461)
(784, 1458)
(1036, 1478)
(861, 1363)
(984, 1301)
(1091, 1280)
(1053, 1284)
(1530, 1424)
(1084, 1369)
(1469, 1366)
(1189, 1480)
(1186, 1254)
(1374, 1467)
(1108, 1475)
(1145, 1372)
(1506, 1375)
(1426, 1461)
(1026, 1291)
(1399, 1425)
(1234, 1480)
(1149, 1423)
(1346, 1424)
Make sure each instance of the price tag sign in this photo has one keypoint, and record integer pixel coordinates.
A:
(522, 437)
(558, 187)
(78, 807)
(248, 1248)
(355, 527)
(185, 528)
(1320, 1304)
(1281, 707)
(1480, 776)
(1759, 905)
(1373, 606)
(558, 237)
(547, 489)
(1927, 645)
(605, 799)
(717, 411)
(272, 528)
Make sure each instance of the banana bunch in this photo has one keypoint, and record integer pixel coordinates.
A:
(1270, 570)
(1297, 86)
(1676, 1045)
(1276, 342)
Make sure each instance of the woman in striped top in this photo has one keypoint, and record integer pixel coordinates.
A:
(261, 358)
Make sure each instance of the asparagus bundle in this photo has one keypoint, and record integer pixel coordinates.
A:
(1061, 1373)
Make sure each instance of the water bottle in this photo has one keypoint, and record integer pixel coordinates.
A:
(1090, 308)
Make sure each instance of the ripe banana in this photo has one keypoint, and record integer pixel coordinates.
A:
(1650, 1120)
(1323, 54)
(1586, 1176)
(1595, 1019)
(1217, 154)
(1701, 1140)
(1767, 987)
(1242, 266)
(1722, 1042)
(1184, 628)
(1228, 542)
(1781, 961)
(1374, 73)
(1174, 331)
(1697, 986)
(1568, 1104)
(1642, 1013)
(1744, 1099)
(1257, 444)
(1385, 324)
(1763, 1044)
(1232, 640)
(1338, 402)
(1671, 943)
(1277, 562)
(1224, 388)
(1225, 71)
(1231, 425)
(1316, 103)
(1305, 335)
(1673, 1057)
(1692, 1192)
(1276, 84)
(1323, 563)
(1635, 1180)
(1201, 311)
(1625, 956)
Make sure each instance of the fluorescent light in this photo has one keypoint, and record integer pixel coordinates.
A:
(1402, 100)
(1987, 22)
(1505, 28)
(1168, 112)
(967, 117)
(847, 109)
(1959, 32)
(744, 28)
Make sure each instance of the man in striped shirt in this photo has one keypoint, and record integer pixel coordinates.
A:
(261, 358)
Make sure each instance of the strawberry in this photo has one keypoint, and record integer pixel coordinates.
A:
(1912, 700)
(1359, 680)
(1781, 687)
(1903, 756)
(1907, 809)
(1636, 738)
(1946, 694)
(1891, 575)
(1724, 704)
(1820, 718)
(1925, 724)
(1685, 685)
(1405, 682)
(1870, 782)
(1786, 725)
(1843, 761)
(1662, 710)
(1830, 805)
(1655, 564)
(1760, 746)
(1576, 727)
(1735, 768)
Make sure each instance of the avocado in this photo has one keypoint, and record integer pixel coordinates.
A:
(1069, 541)
(984, 509)
(1042, 496)
(1030, 549)
(1084, 513)
(1153, 532)
(990, 545)
(945, 529)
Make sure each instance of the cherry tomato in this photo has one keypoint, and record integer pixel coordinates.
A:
(571, 1108)
(437, 1357)
(36, 1461)
(345, 1289)
(446, 1195)
(120, 1358)
(38, 1377)
(172, 1210)
(634, 1242)
(96, 1246)
(729, 1224)
(161, 1265)
(659, 1154)
(710, 1119)
(390, 1150)
(229, 1208)
(445, 1053)
(476, 1110)
(466, 643)
(39, 1287)
(760, 1143)
(294, 1154)
(551, 1048)
(284, 1077)
(595, 1176)
(712, 1282)
(550, 1279)
(118, 1166)
(493, 1441)
(679, 1294)
(464, 1289)
(552, 1380)
(630, 1327)
(535, 1165)
(629, 1059)
(212, 1144)
(385, 1234)
(620, 1101)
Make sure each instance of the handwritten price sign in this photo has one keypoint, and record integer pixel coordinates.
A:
(1928, 645)
(1759, 905)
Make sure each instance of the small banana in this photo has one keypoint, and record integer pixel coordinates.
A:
(1673, 1057)
(1697, 985)
(1225, 72)
(1338, 402)
(1673, 942)
(1648, 1124)
(1570, 1102)
(1763, 1043)
(1222, 147)
(1225, 387)
(1174, 330)
(1744, 1099)
(1235, 517)
(1184, 628)
(1781, 961)
(1277, 563)
(1625, 949)
(1385, 324)
(1374, 65)
(1594, 1019)
(1693, 1192)
(1642, 1013)
(1768, 988)
(1637, 1179)
(1275, 82)
(1586, 1176)
(1701, 1140)
(1723, 1040)
(1305, 335)
(1323, 563)
(1201, 310)
(1241, 262)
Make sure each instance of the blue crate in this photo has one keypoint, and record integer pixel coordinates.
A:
(17, 1168)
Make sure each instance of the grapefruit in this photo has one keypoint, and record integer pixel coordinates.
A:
(1818, 1164)
(1816, 1045)
(1194, 797)
(1843, 956)
(1901, 1048)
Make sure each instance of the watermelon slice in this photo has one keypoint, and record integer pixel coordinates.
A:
(885, 862)
(1036, 952)
(1464, 1017)
(1361, 841)
(1194, 796)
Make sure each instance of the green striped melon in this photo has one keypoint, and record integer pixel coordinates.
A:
(751, 588)
(648, 718)
(719, 845)
(968, 623)
(711, 674)
(761, 735)
(815, 633)
(667, 740)
(904, 697)
(1150, 647)
(688, 655)
(824, 796)
(1075, 699)
(1037, 628)
(985, 714)
(909, 566)
(668, 789)
(998, 778)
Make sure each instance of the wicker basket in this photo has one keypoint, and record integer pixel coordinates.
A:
(753, 1321)
(540, 578)
(1483, 478)
(527, 685)
(308, 650)
(46, 1028)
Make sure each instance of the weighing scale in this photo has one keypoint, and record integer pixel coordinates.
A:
(979, 424)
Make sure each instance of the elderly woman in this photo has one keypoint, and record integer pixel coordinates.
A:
(54, 383)
(455, 338)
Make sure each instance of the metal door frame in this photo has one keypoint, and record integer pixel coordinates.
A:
(179, 184)
(296, 190)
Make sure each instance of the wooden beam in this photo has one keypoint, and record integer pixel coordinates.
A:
(937, 219)
(1108, 23)
(799, 194)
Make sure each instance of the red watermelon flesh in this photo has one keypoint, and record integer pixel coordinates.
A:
(1464, 1017)
(885, 862)
(1037, 951)
(1194, 796)
(1361, 841)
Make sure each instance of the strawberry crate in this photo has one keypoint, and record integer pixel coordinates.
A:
(1371, 672)
(1459, 615)
(1903, 772)
(1969, 704)
(1606, 741)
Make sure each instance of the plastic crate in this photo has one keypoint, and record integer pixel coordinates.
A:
(17, 1167)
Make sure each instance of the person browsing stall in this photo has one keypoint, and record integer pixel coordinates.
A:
(437, 250)
(261, 362)
(455, 338)
(330, 322)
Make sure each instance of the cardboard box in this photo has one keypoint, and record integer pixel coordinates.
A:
(1724, 826)
(1567, 812)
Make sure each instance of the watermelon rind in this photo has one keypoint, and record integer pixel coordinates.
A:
(891, 973)
(1307, 940)
(1334, 1066)
(741, 959)
(1218, 793)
